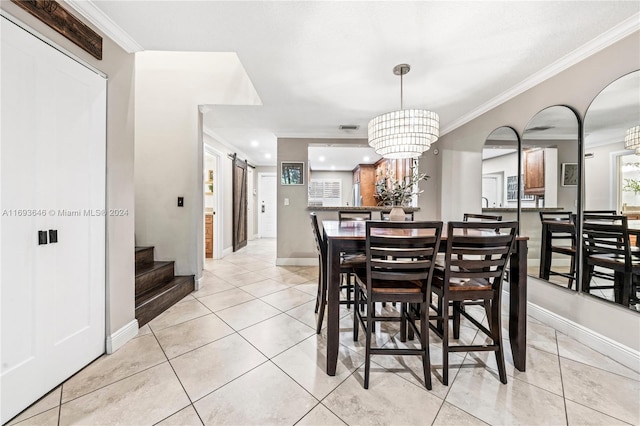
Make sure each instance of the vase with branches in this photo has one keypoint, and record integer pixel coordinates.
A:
(397, 192)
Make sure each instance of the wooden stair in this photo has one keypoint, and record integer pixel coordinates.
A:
(157, 287)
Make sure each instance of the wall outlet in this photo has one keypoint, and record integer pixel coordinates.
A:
(286, 201)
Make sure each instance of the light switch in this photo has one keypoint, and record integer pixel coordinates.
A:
(286, 201)
(180, 201)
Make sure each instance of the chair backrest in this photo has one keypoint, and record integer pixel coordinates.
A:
(606, 234)
(321, 246)
(475, 253)
(602, 212)
(559, 226)
(481, 217)
(384, 215)
(354, 215)
(402, 250)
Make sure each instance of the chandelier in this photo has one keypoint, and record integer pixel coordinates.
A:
(405, 133)
(632, 139)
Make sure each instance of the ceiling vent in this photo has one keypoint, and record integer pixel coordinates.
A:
(349, 127)
(538, 129)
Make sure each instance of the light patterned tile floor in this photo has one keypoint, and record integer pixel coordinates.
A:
(243, 350)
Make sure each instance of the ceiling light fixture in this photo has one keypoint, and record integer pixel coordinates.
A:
(405, 133)
(632, 139)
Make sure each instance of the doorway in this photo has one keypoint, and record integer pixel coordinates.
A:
(267, 205)
(212, 215)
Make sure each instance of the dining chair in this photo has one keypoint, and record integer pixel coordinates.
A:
(475, 260)
(347, 265)
(558, 236)
(354, 215)
(399, 268)
(384, 215)
(606, 246)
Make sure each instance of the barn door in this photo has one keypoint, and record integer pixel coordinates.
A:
(239, 203)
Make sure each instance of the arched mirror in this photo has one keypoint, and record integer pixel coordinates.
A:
(500, 174)
(612, 171)
(549, 202)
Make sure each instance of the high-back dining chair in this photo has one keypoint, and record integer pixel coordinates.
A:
(347, 265)
(559, 237)
(606, 246)
(354, 215)
(399, 268)
(475, 259)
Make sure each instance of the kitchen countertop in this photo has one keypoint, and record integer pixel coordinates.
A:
(360, 208)
(524, 209)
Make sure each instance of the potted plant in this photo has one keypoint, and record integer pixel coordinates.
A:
(397, 193)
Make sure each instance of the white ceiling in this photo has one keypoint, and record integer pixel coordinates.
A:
(318, 64)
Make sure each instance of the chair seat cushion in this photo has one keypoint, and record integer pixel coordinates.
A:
(462, 284)
(564, 250)
(388, 286)
(614, 261)
(353, 260)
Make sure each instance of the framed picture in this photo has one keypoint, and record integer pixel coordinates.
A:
(569, 174)
(512, 189)
(292, 173)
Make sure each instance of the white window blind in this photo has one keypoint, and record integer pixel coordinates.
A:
(325, 192)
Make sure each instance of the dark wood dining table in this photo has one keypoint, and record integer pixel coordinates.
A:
(350, 235)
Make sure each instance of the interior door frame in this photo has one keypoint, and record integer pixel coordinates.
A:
(218, 212)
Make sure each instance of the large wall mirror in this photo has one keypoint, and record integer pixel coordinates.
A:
(611, 172)
(500, 190)
(549, 200)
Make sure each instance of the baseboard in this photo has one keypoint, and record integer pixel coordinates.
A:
(198, 283)
(297, 261)
(227, 251)
(614, 350)
(116, 340)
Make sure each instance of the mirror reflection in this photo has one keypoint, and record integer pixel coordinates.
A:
(354, 175)
(550, 194)
(612, 173)
(500, 174)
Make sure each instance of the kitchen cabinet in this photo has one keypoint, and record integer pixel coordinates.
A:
(208, 236)
(534, 183)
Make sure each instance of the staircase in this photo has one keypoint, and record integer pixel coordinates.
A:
(157, 288)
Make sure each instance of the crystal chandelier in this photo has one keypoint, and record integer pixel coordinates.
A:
(405, 133)
(632, 139)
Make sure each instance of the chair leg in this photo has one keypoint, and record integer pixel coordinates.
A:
(444, 305)
(572, 271)
(318, 295)
(348, 277)
(496, 335)
(457, 306)
(370, 327)
(356, 314)
(424, 340)
(323, 303)
(403, 322)
(410, 311)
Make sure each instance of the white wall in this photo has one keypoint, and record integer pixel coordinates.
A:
(597, 177)
(169, 88)
(508, 166)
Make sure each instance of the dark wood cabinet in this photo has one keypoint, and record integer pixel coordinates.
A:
(534, 172)
(208, 236)
(365, 175)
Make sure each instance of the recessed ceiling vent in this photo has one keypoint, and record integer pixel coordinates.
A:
(349, 127)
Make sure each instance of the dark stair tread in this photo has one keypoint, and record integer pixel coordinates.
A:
(164, 288)
(143, 248)
(150, 267)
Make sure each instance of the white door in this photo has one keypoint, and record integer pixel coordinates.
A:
(489, 191)
(52, 164)
(267, 203)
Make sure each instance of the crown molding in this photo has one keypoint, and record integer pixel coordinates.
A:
(606, 39)
(101, 21)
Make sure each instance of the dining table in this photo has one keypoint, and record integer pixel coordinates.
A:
(349, 236)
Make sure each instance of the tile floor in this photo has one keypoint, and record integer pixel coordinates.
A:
(242, 350)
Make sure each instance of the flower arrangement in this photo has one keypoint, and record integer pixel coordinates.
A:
(397, 192)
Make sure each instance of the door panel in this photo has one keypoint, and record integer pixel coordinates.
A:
(53, 170)
(239, 203)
